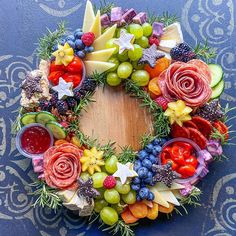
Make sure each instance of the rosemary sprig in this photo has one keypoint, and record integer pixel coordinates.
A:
(50, 39)
(100, 79)
(84, 139)
(104, 7)
(108, 149)
(46, 196)
(220, 158)
(218, 136)
(204, 51)
(84, 102)
(127, 155)
(16, 126)
(166, 18)
(146, 139)
(161, 123)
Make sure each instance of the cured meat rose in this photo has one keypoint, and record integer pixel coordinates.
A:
(189, 82)
(62, 166)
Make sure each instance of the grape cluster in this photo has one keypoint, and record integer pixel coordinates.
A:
(143, 166)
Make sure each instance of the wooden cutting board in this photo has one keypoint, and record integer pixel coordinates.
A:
(115, 116)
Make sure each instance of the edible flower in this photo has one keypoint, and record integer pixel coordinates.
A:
(64, 55)
(214, 148)
(178, 112)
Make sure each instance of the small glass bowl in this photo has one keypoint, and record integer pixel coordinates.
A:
(18, 140)
(197, 150)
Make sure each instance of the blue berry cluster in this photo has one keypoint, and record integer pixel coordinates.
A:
(143, 166)
(74, 40)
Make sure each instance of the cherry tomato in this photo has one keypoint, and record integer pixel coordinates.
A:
(186, 171)
(76, 66)
(54, 76)
(174, 165)
(181, 151)
(192, 160)
(74, 78)
(54, 67)
(177, 155)
(184, 145)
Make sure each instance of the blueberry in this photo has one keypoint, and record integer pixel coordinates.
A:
(79, 44)
(89, 49)
(142, 154)
(70, 38)
(153, 159)
(155, 142)
(149, 148)
(135, 187)
(71, 43)
(146, 163)
(157, 148)
(137, 165)
(138, 198)
(151, 183)
(144, 193)
(151, 196)
(81, 54)
(63, 41)
(78, 34)
(162, 141)
(142, 172)
(147, 180)
(136, 180)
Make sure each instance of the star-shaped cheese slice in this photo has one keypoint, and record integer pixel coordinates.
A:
(125, 41)
(63, 88)
(124, 171)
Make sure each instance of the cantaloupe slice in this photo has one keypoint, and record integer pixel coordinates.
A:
(102, 55)
(97, 66)
(96, 27)
(89, 17)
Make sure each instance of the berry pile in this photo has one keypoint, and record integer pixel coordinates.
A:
(80, 42)
(182, 52)
(143, 166)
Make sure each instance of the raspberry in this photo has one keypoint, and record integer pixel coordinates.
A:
(162, 102)
(154, 40)
(64, 124)
(109, 182)
(88, 38)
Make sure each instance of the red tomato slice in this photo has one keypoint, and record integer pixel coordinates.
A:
(54, 77)
(74, 78)
(192, 160)
(76, 66)
(186, 171)
(54, 67)
(184, 145)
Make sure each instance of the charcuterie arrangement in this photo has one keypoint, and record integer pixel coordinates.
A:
(147, 56)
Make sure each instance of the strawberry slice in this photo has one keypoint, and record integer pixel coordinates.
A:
(203, 125)
(178, 131)
(197, 137)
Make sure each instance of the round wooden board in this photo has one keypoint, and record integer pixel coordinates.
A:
(115, 116)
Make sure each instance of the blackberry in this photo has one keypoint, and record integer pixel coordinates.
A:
(176, 53)
(77, 94)
(54, 99)
(62, 107)
(89, 85)
(185, 47)
(45, 105)
(188, 56)
(71, 102)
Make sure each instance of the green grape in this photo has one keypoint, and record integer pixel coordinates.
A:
(85, 176)
(118, 208)
(124, 70)
(111, 164)
(122, 188)
(140, 77)
(136, 30)
(109, 215)
(98, 179)
(112, 196)
(143, 42)
(129, 198)
(99, 205)
(118, 31)
(113, 79)
(101, 191)
(116, 62)
(136, 54)
(147, 29)
(136, 66)
(110, 44)
(123, 56)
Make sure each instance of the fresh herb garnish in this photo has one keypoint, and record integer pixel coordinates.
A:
(127, 155)
(104, 7)
(166, 18)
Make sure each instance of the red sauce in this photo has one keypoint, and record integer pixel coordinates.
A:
(35, 140)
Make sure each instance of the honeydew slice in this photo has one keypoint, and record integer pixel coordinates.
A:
(102, 55)
(97, 66)
(89, 17)
(96, 27)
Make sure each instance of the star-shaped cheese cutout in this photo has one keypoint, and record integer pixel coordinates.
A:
(150, 56)
(124, 171)
(63, 88)
(125, 41)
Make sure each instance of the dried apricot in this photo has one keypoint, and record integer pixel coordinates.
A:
(153, 212)
(153, 87)
(166, 210)
(128, 217)
(139, 209)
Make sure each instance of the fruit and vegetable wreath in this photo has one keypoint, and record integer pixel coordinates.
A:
(147, 55)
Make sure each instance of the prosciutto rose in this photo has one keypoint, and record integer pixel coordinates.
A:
(189, 82)
(62, 166)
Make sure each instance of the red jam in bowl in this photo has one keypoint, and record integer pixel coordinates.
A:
(35, 140)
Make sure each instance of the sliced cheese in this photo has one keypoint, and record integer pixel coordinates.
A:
(159, 199)
(162, 187)
(96, 27)
(169, 197)
(97, 66)
(89, 17)
(100, 42)
(167, 45)
(67, 195)
(102, 55)
(177, 194)
(173, 32)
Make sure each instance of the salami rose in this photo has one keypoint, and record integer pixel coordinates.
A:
(62, 166)
(189, 82)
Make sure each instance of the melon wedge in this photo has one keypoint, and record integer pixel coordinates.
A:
(96, 27)
(89, 17)
(102, 55)
(97, 66)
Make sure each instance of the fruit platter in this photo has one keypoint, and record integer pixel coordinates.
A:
(144, 55)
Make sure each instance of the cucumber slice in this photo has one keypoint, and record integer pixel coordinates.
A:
(218, 89)
(28, 118)
(44, 117)
(217, 74)
(57, 130)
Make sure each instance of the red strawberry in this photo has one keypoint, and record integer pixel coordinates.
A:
(197, 137)
(203, 125)
(64, 124)
(162, 102)
(178, 131)
(154, 40)
(109, 182)
(88, 38)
